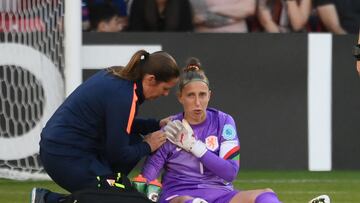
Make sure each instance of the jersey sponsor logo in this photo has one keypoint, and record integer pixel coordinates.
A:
(229, 132)
(212, 142)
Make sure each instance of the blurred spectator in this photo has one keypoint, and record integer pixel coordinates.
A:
(105, 18)
(160, 15)
(339, 16)
(325, 19)
(283, 16)
(222, 15)
(119, 5)
(85, 15)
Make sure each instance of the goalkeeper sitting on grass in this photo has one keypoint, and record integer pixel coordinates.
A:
(202, 158)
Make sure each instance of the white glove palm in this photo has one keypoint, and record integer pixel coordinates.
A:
(177, 133)
(182, 135)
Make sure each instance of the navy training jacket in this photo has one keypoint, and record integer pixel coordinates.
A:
(98, 118)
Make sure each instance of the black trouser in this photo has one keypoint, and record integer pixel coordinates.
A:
(75, 173)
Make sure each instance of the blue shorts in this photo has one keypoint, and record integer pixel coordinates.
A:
(209, 194)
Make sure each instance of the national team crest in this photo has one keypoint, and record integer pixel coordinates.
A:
(229, 132)
(212, 142)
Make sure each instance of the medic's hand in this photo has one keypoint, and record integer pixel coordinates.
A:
(155, 139)
(165, 121)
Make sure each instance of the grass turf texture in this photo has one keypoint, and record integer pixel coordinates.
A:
(291, 186)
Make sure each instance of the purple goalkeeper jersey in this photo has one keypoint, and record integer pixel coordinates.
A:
(183, 171)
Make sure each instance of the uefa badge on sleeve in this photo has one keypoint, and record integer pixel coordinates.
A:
(229, 132)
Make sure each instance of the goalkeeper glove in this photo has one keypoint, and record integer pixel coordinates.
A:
(182, 135)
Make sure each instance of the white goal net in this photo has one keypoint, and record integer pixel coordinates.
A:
(31, 81)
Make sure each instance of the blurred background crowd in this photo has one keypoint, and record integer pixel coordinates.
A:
(236, 16)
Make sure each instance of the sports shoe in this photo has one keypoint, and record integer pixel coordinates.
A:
(38, 195)
(321, 199)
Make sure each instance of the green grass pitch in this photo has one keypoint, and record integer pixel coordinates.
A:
(291, 186)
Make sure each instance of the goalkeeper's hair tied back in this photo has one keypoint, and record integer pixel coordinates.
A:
(192, 72)
(160, 64)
